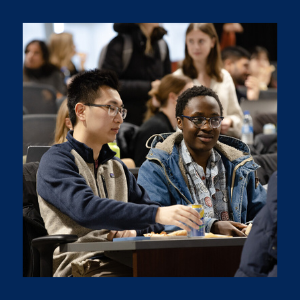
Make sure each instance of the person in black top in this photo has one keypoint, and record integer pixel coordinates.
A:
(144, 68)
(160, 116)
(37, 67)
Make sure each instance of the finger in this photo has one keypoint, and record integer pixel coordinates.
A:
(182, 226)
(188, 222)
(126, 233)
(190, 216)
(111, 235)
(238, 232)
(238, 225)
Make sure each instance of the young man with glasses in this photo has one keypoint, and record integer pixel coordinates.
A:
(84, 189)
(198, 166)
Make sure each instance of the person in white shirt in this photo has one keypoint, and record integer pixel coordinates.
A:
(203, 64)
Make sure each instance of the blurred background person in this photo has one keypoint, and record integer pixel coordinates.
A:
(261, 68)
(147, 64)
(160, 115)
(38, 68)
(203, 64)
(236, 61)
(62, 49)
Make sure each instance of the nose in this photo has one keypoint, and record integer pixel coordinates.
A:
(207, 125)
(118, 118)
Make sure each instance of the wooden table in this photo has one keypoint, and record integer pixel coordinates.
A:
(184, 257)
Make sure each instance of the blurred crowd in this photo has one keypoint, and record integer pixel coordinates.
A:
(151, 82)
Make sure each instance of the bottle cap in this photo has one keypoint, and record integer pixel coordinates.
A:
(246, 112)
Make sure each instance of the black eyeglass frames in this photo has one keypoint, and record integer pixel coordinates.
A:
(214, 122)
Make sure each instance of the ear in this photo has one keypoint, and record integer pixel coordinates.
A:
(68, 123)
(80, 111)
(227, 64)
(179, 123)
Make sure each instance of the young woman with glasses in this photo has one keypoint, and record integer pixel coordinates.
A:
(200, 166)
(203, 64)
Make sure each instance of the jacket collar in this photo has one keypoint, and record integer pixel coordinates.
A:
(87, 153)
(230, 147)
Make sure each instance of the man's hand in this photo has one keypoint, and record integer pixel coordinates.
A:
(228, 228)
(177, 215)
(225, 125)
(118, 234)
(253, 88)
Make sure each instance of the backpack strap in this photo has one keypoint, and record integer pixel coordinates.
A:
(127, 51)
(163, 49)
(102, 56)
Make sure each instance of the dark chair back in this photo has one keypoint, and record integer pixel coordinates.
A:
(125, 138)
(39, 98)
(38, 130)
(33, 224)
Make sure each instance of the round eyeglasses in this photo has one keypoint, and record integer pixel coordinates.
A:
(112, 109)
(213, 122)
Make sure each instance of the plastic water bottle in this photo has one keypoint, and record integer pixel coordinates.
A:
(247, 129)
(114, 147)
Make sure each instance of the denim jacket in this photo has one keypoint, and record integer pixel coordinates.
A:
(163, 177)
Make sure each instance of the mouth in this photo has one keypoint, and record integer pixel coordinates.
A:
(205, 138)
(115, 130)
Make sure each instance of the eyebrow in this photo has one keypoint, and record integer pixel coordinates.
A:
(114, 102)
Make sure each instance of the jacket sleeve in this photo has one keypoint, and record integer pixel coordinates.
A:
(59, 183)
(256, 197)
(152, 178)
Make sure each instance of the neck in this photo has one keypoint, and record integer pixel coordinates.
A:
(92, 143)
(201, 158)
(146, 29)
(200, 66)
(169, 112)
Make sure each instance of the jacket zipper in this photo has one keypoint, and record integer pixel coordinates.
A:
(169, 179)
(104, 186)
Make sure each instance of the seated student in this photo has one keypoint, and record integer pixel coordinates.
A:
(37, 67)
(63, 125)
(259, 256)
(162, 118)
(84, 189)
(236, 61)
(199, 166)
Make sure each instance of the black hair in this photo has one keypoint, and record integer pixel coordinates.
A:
(193, 92)
(44, 49)
(85, 88)
(47, 68)
(235, 53)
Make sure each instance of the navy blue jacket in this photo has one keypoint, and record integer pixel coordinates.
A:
(66, 179)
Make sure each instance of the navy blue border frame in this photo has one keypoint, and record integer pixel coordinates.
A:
(14, 14)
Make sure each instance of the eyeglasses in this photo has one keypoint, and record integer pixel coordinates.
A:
(112, 109)
(214, 122)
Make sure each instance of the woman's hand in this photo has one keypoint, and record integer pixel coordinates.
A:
(118, 234)
(225, 125)
(229, 228)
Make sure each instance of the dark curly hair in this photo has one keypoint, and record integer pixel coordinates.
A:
(193, 92)
(85, 88)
